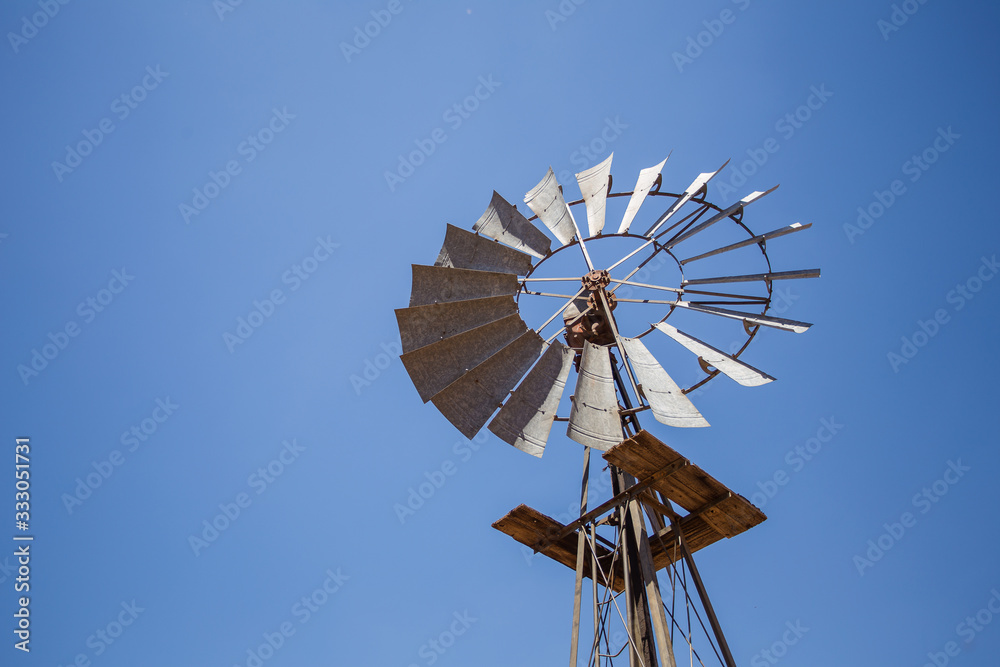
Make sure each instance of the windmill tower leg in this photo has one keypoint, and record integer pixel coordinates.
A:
(651, 585)
(645, 602)
(703, 594)
(642, 650)
(647, 618)
(580, 554)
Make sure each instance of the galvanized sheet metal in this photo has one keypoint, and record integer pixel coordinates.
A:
(696, 185)
(732, 210)
(776, 275)
(594, 420)
(465, 250)
(469, 401)
(439, 284)
(647, 178)
(526, 419)
(546, 200)
(765, 320)
(594, 186)
(434, 367)
(743, 373)
(669, 404)
(503, 222)
(426, 325)
(777, 233)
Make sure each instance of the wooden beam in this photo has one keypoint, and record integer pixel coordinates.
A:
(618, 499)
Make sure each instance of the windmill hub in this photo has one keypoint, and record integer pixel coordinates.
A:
(596, 279)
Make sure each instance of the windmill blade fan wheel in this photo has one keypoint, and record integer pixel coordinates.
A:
(469, 351)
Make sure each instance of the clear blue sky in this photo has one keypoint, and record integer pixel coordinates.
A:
(170, 168)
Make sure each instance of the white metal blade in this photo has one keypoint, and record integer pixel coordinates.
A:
(594, 184)
(647, 179)
(594, 420)
(696, 185)
(669, 404)
(743, 373)
(765, 320)
(775, 275)
(761, 238)
(732, 210)
(546, 200)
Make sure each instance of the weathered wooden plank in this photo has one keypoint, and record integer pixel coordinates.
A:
(690, 487)
(530, 527)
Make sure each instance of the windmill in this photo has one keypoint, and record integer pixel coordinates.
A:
(469, 349)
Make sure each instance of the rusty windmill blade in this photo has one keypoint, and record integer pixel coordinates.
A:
(441, 284)
(504, 223)
(420, 326)
(469, 401)
(465, 250)
(526, 419)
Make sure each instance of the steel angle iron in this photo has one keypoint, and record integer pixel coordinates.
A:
(470, 352)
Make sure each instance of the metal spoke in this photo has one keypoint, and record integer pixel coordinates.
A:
(762, 299)
(678, 290)
(618, 341)
(766, 277)
(647, 301)
(647, 243)
(556, 314)
(550, 280)
(762, 238)
(560, 296)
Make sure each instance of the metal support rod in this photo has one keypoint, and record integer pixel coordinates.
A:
(629, 415)
(550, 280)
(597, 611)
(703, 594)
(610, 598)
(678, 290)
(558, 296)
(579, 237)
(618, 340)
(561, 309)
(580, 547)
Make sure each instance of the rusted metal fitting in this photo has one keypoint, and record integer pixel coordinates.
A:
(594, 301)
(596, 279)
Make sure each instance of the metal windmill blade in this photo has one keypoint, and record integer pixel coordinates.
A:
(595, 183)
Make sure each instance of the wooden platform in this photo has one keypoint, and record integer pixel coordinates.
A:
(713, 511)
(690, 487)
(530, 527)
